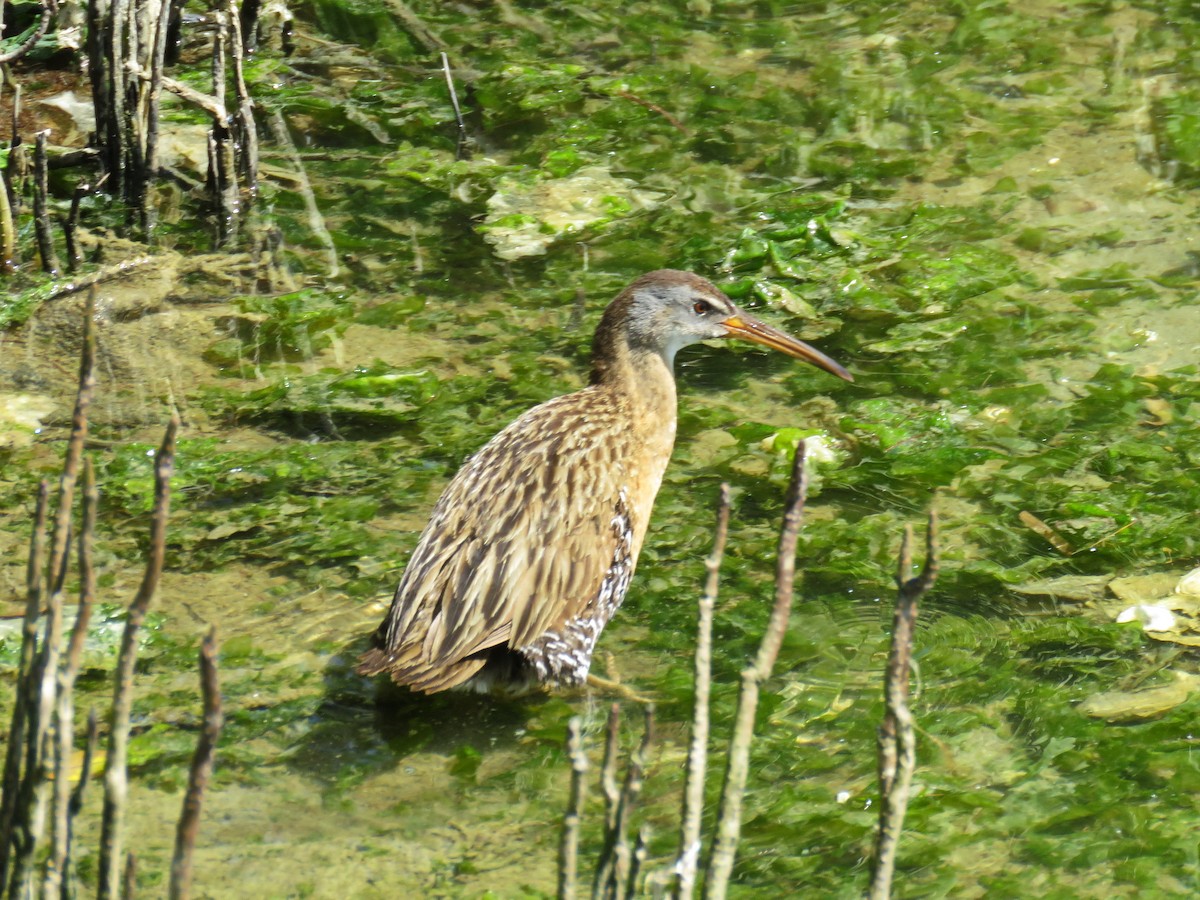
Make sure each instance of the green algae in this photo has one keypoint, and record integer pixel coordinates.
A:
(811, 169)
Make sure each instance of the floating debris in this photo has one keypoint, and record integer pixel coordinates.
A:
(1189, 584)
(1076, 588)
(525, 216)
(1153, 618)
(1136, 706)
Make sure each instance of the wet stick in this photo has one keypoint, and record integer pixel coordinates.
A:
(688, 858)
(71, 228)
(200, 773)
(115, 769)
(8, 233)
(49, 8)
(568, 851)
(608, 787)
(19, 724)
(24, 821)
(724, 847)
(101, 63)
(153, 91)
(120, 155)
(616, 872)
(461, 150)
(243, 119)
(57, 870)
(897, 737)
(45, 743)
(222, 170)
(414, 27)
(41, 209)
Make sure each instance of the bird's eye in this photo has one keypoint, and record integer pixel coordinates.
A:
(702, 307)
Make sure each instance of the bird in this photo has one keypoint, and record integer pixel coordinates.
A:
(531, 547)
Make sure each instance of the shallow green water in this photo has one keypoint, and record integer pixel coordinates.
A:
(986, 210)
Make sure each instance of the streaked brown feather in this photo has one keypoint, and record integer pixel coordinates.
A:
(539, 559)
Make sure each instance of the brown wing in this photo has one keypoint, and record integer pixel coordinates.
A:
(518, 544)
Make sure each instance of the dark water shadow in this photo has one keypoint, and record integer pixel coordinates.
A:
(370, 725)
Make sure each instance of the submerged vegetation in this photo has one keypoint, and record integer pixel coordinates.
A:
(984, 208)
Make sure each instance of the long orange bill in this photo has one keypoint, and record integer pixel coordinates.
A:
(750, 329)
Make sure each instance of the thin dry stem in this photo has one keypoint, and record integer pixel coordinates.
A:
(615, 871)
(729, 818)
(89, 756)
(129, 877)
(14, 762)
(201, 771)
(785, 567)
(568, 851)
(115, 773)
(608, 768)
(461, 147)
(150, 109)
(897, 732)
(64, 715)
(39, 683)
(637, 861)
(41, 210)
(244, 117)
(49, 8)
(688, 858)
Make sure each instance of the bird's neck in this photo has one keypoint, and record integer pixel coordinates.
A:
(641, 376)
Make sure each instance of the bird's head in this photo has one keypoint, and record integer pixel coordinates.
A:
(667, 310)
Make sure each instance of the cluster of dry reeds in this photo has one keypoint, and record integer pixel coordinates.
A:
(38, 805)
(127, 48)
(621, 868)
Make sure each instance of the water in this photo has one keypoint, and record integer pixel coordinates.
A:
(986, 211)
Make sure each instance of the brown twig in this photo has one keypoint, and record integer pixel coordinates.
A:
(121, 154)
(153, 92)
(89, 757)
(101, 63)
(40, 684)
(116, 270)
(568, 851)
(41, 208)
(638, 860)
(688, 858)
(1040, 528)
(49, 8)
(247, 133)
(23, 700)
(222, 162)
(71, 227)
(8, 229)
(201, 771)
(115, 773)
(129, 877)
(729, 818)
(655, 108)
(60, 837)
(635, 776)
(897, 734)
(462, 146)
(75, 803)
(87, 573)
(214, 106)
(608, 768)
(615, 871)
